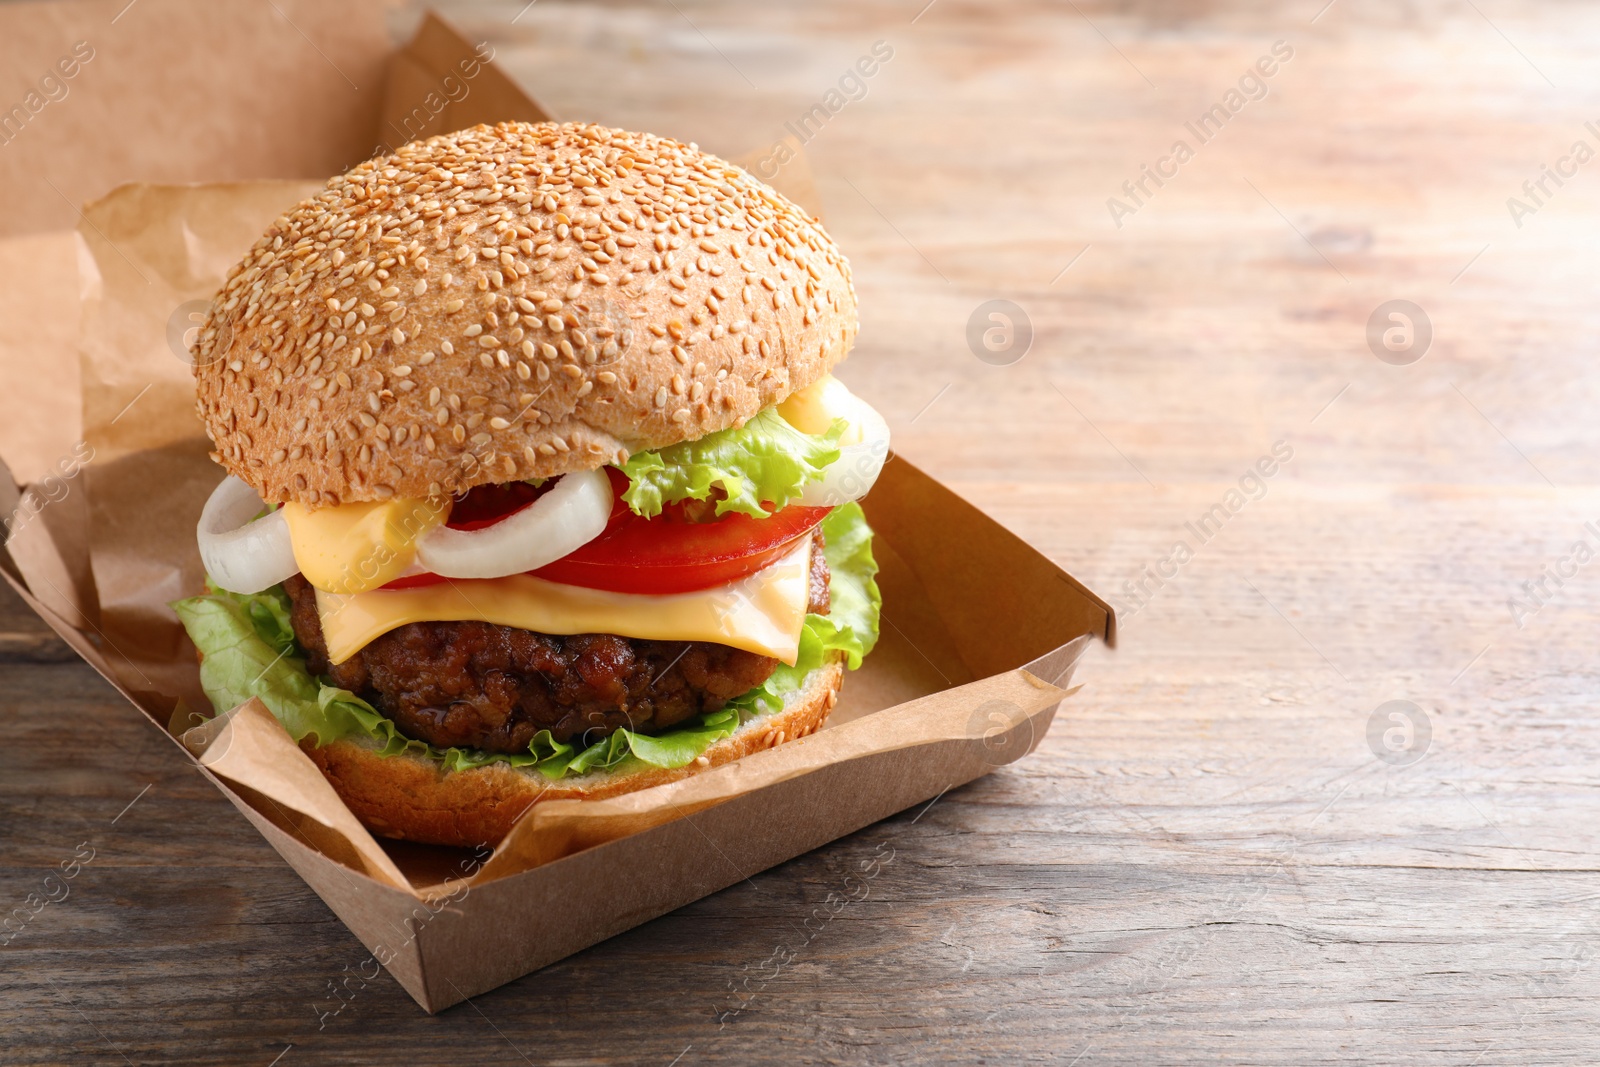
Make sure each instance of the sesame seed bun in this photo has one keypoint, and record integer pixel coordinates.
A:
(412, 798)
(510, 302)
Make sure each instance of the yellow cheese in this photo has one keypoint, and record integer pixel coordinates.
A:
(762, 613)
(813, 409)
(355, 547)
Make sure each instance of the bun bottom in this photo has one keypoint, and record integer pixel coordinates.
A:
(413, 799)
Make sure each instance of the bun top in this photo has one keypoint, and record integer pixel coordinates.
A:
(508, 302)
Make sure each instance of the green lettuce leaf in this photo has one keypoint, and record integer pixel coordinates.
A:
(762, 465)
(249, 651)
(851, 625)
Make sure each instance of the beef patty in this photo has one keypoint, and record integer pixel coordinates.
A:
(478, 685)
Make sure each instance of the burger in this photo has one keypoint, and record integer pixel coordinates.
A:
(539, 485)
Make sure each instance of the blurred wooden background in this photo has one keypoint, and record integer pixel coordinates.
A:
(1223, 851)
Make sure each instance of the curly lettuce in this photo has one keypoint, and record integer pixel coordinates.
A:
(755, 469)
(249, 651)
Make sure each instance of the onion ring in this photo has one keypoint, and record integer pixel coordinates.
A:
(851, 476)
(566, 518)
(240, 555)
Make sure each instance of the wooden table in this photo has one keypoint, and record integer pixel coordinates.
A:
(1226, 850)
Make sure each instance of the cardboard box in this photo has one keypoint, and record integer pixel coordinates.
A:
(980, 632)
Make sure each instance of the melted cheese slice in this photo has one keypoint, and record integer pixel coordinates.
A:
(813, 409)
(356, 547)
(762, 613)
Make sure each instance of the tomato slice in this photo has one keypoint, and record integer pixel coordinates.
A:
(670, 553)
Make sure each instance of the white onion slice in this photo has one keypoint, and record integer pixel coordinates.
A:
(852, 475)
(243, 556)
(562, 521)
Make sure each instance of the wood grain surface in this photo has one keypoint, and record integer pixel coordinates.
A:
(1224, 851)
